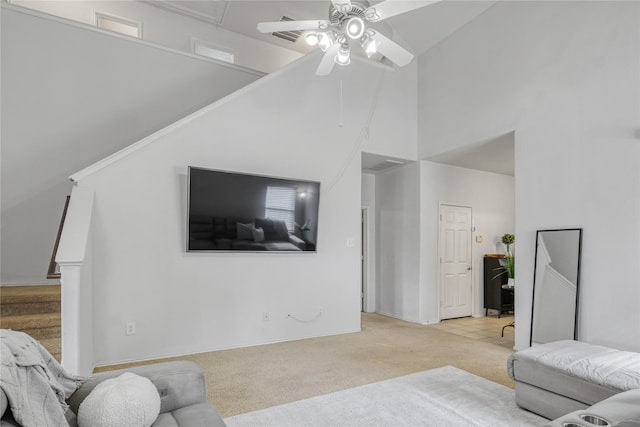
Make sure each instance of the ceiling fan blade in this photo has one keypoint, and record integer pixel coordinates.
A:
(274, 27)
(396, 53)
(388, 8)
(328, 60)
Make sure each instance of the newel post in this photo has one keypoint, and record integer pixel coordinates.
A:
(74, 260)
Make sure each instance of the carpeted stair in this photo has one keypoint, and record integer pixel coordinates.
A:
(34, 310)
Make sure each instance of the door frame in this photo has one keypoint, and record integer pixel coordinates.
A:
(364, 259)
(439, 256)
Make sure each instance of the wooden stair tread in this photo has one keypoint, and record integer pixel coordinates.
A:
(26, 294)
(35, 310)
(30, 321)
(30, 308)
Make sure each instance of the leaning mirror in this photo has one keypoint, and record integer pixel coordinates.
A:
(555, 285)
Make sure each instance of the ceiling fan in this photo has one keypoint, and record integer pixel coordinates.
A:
(349, 21)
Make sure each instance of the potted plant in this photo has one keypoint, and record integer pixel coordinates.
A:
(508, 240)
(508, 263)
(508, 267)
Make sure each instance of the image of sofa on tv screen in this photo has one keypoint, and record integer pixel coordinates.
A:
(208, 233)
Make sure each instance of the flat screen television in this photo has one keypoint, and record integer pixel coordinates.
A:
(230, 211)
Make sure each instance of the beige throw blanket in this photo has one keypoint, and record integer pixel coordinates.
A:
(35, 384)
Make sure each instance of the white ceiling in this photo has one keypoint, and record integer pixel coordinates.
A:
(418, 31)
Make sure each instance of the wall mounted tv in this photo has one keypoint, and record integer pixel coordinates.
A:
(230, 211)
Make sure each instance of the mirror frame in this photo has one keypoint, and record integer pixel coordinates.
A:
(535, 266)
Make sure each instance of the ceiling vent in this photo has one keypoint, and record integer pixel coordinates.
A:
(291, 35)
(383, 166)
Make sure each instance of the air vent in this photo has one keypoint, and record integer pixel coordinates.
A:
(290, 36)
(382, 166)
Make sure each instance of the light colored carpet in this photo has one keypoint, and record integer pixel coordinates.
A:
(442, 397)
(251, 378)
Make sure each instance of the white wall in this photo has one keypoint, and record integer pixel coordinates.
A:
(71, 96)
(398, 239)
(395, 106)
(172, 30)
(565, 76)
(491, 198)
(190, 302)
(381, 270)
(407, 201)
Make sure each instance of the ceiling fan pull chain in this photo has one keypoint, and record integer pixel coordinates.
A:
(364, 135)
(340, 123)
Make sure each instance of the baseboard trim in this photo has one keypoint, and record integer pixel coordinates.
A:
(174, 355)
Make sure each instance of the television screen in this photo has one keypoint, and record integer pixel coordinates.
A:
(230, 211)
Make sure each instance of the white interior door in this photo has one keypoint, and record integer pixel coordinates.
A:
(455, 261)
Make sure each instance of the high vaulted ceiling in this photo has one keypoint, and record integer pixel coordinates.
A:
(418, 31)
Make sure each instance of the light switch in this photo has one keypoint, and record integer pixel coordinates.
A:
(351, 243)
(479, 239)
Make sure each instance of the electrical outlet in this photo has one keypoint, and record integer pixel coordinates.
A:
(266, 316)
(131, 328)
(321, 310)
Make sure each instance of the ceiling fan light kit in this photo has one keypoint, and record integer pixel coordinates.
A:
(354, 27)
(325, 40)
(369, 45)
(343, 57)
(311, 39)
(348, 21)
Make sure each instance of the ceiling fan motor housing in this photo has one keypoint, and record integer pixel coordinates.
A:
(357, 8)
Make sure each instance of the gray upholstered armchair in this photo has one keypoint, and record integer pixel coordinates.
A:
(182, 390)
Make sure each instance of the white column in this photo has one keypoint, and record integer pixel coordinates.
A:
(74, 260)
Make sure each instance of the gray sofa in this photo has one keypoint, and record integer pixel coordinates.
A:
(620, 410)
(182, 389)
(562, 377)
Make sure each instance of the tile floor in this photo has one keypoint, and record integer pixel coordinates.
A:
(487, 329)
